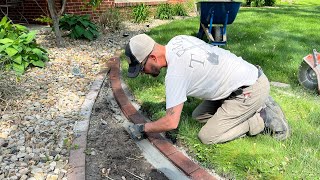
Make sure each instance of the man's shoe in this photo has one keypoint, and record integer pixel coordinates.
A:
(274, 120)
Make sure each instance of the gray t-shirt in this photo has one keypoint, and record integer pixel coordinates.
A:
(198, 69)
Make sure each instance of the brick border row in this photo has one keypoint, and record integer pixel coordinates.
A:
(77, 157)
(190, 168)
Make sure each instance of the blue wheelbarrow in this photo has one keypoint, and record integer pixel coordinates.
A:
(215, 15)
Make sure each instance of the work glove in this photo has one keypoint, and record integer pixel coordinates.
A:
(136, 131)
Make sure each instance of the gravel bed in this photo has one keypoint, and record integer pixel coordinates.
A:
(36, 131)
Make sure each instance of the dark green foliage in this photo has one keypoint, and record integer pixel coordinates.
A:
(164, 11)
(18, 47)
(44, 19)
(93, 3)
(179, 10)
(257, 3)
(80, 27)
(140, 13)
(269, 2)
(111, 20)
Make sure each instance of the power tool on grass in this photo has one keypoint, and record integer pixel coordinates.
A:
(309, 72)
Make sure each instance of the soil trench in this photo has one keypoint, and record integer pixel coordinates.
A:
(111, 153)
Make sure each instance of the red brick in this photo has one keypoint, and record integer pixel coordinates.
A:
(201, 174)
(114, 73)
(121, 97)
(154, 136)
(184, 163)
(128, 110)
(165, 147)
(137, 118)
(115, 84)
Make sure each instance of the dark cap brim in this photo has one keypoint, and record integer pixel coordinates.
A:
(134, 70)
(134, 65)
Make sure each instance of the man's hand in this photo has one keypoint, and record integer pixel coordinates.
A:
(136, 131)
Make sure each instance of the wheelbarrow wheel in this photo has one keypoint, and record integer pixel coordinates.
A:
(307, 77)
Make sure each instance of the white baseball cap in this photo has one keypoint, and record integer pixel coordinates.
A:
(137, 50)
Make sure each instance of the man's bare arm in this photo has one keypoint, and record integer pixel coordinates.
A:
(168, 122)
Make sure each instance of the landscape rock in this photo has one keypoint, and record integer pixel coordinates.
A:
(36, 131)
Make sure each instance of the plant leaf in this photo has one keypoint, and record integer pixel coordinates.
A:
(11, 51)
(38, 52)
(45, 57)
(85, 23)
(94, 32)
(17, 59)
(2, 33)
(88, 35)
(38, 63)
(80, 30)
(4, 20)
(25, 64)
(73, 35)
(6, 40)
(20, 27)
(3, 47)
(30, 37)
(19, 48)
(18, 68)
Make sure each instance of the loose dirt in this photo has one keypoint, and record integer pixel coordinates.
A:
(111, 154)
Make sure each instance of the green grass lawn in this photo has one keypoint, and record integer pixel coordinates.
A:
(277, 39)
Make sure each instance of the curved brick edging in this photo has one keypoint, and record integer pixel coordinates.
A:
(190, 168)
(77, 158)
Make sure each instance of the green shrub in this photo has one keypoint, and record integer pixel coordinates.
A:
(179, 10)
(164, 11)
(257, 3)
(80, 27)
(111, 20)
(44, 19)
(18, 47)
(269, 2)
(140, 13)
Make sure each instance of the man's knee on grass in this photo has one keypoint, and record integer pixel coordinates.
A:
(208, 139)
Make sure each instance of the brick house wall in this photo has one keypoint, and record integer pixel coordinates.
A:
(32, 9)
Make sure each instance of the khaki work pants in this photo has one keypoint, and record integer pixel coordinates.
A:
(233, 117)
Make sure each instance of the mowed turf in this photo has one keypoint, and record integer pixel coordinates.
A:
(277, 39)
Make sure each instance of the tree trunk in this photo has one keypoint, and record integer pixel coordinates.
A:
(55, 21)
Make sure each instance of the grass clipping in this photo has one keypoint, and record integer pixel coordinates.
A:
(8, 89)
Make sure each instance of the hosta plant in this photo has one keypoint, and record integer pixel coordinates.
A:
(79, 26)
(18, 47)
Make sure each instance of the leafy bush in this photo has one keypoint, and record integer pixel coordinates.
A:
(269, 2)
(80, 27)
(44, 19)
(140, 13)
(257, 3)
(179, 10)
(111, 20)
(18, 48)
(164, 11)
